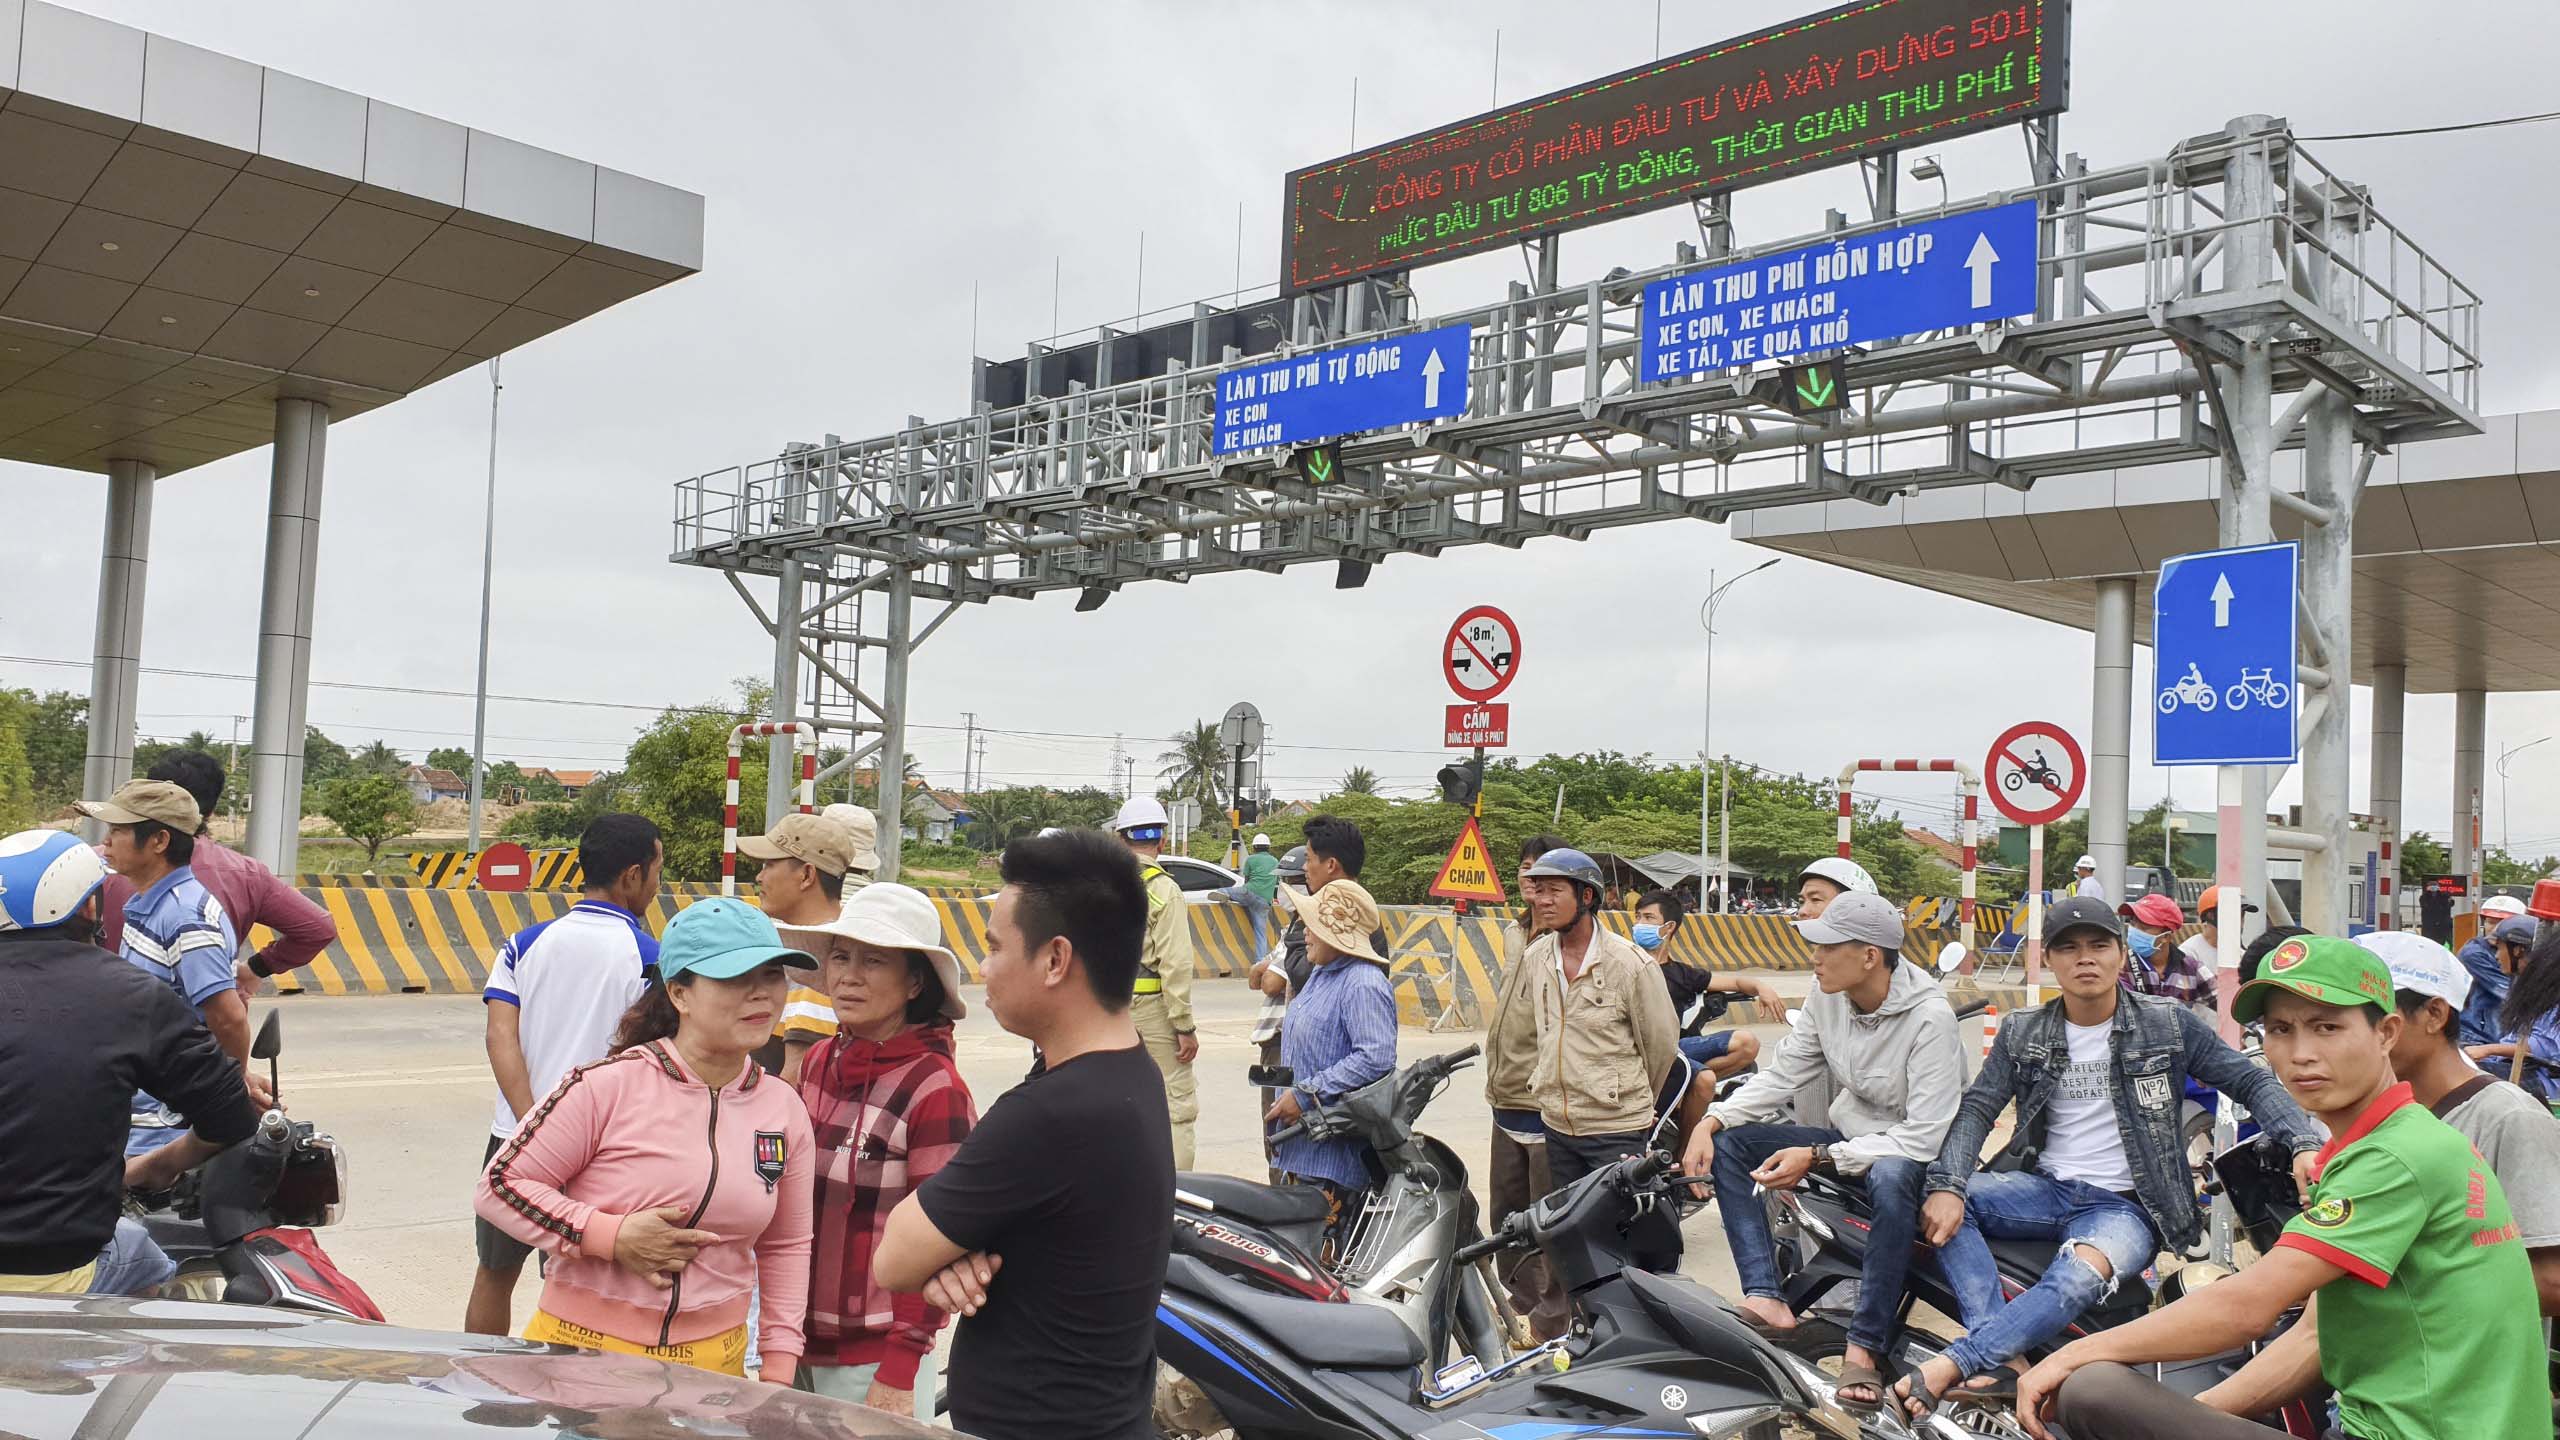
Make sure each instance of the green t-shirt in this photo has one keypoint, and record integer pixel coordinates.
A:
(2436, 1334)
(1262, 874)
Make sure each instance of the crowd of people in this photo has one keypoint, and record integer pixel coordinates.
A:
(745, 1143)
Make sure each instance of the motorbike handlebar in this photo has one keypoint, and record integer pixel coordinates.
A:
(1972, 1007)
(1289, 1132)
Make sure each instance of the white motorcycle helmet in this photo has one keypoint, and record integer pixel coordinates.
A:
(1839, 870)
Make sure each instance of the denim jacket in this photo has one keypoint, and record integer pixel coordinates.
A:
(2156, 1044)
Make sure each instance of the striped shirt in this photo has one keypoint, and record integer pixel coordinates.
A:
(175, 932)
(570, 979)
(1340, 1035)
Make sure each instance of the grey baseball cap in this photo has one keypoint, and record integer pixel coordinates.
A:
(1859, 916)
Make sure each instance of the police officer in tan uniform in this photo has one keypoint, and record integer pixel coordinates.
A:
(1162, 1005)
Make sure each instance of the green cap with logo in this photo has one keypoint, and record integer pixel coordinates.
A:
(2321, 969)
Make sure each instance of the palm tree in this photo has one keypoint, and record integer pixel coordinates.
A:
(1196, 767)
(1359, 780)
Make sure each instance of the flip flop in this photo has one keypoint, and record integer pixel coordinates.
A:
(1910, 1389)
(2001, 1393)
(1864, 1375)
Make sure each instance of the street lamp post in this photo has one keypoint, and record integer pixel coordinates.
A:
(1707, 728)
(2506, 827)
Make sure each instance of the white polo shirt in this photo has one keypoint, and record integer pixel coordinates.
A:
(570, 979)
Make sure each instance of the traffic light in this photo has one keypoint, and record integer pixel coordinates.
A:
(1461, 781)
(1248, 809)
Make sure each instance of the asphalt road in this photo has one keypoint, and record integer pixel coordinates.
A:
(403, 1082)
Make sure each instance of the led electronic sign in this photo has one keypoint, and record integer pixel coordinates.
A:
(1818, 91)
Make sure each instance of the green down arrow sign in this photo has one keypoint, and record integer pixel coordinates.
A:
(1814, 389)
(1321, 464)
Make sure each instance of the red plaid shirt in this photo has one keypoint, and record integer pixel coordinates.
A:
(887, 1115)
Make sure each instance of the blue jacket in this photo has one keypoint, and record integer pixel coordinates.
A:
(2157, 1044)
(2478, 1023)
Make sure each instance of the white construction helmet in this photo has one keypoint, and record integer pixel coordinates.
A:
(1261, 841)
(1841, 871)
(2087, 862)
(1141, 813)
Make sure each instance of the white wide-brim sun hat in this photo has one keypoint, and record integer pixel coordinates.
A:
(897, 917)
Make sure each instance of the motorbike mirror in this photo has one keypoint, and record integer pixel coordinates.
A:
(270, 1041)
(1950, 957)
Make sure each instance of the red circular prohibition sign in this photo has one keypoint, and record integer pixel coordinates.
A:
(1501, 665)
(2011, 748)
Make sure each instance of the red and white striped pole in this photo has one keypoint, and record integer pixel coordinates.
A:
(1969, 781)
(805, 737)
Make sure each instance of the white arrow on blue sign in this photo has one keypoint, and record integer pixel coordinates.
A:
(1960, 269)
(2226, 690)
(1370, 385)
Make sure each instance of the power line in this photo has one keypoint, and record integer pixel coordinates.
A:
(2437, 129)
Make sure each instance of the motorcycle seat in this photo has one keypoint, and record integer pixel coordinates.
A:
(1274, 1205)
(1345, 1335)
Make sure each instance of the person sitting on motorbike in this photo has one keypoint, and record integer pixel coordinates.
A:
(2516, 1134)
(2439, 1335)
(1341, 1035)
(2493, 956)
(1826, 880)
(1722, 1054)
(2529, 1018)
(2173, 973)
(2096, 1162)
(90, 1030)
(1880, 1030)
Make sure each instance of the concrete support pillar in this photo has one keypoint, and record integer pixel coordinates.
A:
(893, 719)
(116, 663)
(284, 633)
(2111, 735)
(2470, 755)
(2390, 702)
(2328, 585)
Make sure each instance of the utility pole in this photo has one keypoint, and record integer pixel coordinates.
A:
(982, 760)
(231, 769)
(488, 559)
(967, 745)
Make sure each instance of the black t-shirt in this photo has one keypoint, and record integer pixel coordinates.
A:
(1069, 1177)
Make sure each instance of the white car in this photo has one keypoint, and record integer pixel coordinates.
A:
(1200, 880)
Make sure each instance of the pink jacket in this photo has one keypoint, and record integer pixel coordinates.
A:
(637, 1131)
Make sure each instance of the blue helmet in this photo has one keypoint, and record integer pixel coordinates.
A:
(45, 877)
(1570, 865)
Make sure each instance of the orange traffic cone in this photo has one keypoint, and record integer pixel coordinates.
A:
(1990, 1029)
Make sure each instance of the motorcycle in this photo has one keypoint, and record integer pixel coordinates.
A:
(1648, 1354)
(239, 1226)
(1822, 1227)
(1395, 1255)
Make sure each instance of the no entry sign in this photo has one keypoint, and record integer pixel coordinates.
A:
(505, 866)
(1481, 655)
(2035, 772)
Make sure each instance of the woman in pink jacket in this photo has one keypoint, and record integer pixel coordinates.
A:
(672, 1178)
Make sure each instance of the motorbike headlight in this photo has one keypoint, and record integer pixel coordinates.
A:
(1726, 1424)
(336, 1210)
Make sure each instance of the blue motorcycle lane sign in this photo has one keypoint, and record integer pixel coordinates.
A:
(2226, 687)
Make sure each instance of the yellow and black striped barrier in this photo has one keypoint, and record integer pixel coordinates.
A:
(454, 869)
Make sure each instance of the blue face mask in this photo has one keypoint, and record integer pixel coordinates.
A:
(2141, 942)
(1648, 936)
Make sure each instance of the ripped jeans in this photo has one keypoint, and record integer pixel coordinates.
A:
(2024, 1205)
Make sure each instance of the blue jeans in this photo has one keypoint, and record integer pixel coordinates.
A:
(1259, 910)
(2024, 1205)
(1893, 1192)
(1704, 1050)
(133, 1263)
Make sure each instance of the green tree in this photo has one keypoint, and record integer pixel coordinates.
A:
(1196, 767)
(450, 757)
(1359, 780)
(542, 785)
(677, 775)
(53, 735)
(2422, 854)
(549, 824)
(2497, 867)
(18, 804)
(323, 759)
(371, 810)
(377, 758)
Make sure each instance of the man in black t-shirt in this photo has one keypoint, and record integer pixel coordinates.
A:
(1048, 1232)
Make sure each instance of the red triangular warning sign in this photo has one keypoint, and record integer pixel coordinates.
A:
(1468, 873)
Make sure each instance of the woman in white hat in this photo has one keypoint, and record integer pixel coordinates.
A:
(1340, 1035)
(889, 1109)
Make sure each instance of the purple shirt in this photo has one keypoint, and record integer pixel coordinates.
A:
(250, 894)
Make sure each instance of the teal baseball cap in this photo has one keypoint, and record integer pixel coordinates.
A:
(723, 939)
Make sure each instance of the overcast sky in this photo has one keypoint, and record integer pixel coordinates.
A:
(866, 165)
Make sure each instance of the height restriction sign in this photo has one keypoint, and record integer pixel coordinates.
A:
(1482, 654)
(2035, 771)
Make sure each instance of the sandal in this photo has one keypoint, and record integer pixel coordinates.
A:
(1912, 1391)
(1866, 1377)
(1996, 1390)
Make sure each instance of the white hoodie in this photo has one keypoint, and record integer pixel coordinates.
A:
(1896, 1074)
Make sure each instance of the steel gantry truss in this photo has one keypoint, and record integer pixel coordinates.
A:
(2236, 255)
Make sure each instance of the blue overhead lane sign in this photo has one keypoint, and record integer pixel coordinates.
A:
(1371, 385)
(1957, 270)
(2225, 687)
